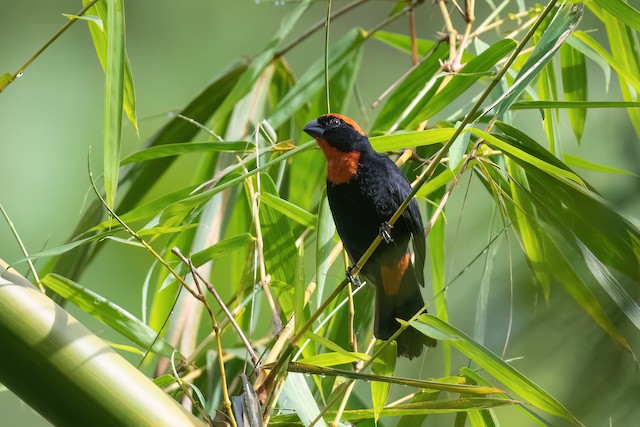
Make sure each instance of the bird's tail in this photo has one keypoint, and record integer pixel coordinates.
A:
(402, 306)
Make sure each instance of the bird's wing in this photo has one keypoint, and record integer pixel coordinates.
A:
(400, 189)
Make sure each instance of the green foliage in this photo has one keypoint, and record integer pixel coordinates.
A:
(252, 216)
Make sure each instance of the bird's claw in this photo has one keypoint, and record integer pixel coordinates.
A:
(355, 281)
(385, 232)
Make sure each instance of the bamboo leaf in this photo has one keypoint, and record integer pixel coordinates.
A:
(519, 154)
(579, 162)
(465, 78)
(581, 47)
(400, 140)
(501, 370)
(324, 244)
(574, 85)
(223, 247)
(296, 213)
(535, 105)
(99, 36)
(560, 28)
(622, 11)
(334, 358)
(89, 18)
(5, 79)
(168, 150)
(109, 313)
(113, 97)
(384, 365)
(402, 42)
(333, 346)
(298, 393)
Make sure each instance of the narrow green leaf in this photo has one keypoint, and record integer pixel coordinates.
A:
(298, 393)
(109, 313)
(579, 162)
(581, 47)
(113, 97)
(501, 370)
(90, 18)
(99, 36)
(333, 346)
(465, 78)
(443, 406)
(631, 78)
(221, 248)
(296, 213)
(159, 230)
(574, 85)
(526, 157)
(5, 79)
(615, 290)
(384, 365)
(334, 358)
(400, 140)
(59, 250)
(324, 244)
(402, 42)
(535, 105)
(560, 28)
(622, 11)
(575, 286)
(168, 150)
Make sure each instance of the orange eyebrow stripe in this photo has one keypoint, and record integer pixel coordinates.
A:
(349, 121)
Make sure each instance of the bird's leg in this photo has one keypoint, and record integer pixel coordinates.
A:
(385, 232)
(355, 281)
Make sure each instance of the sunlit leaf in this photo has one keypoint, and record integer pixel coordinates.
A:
(398, 141)
(223, 247)
(108, 313)
(185, 148)
(623, 11)
(296, 213)
(384, 365)
(579, 162)
(334, 359)
(501, 370)
(574, 85)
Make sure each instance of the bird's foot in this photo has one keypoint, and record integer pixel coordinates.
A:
(385, 232)
(355, 281)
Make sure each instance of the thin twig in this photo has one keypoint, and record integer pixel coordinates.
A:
(22, 248)
(61, 31)
(226, 311)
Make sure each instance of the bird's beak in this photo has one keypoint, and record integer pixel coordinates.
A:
(314, 129)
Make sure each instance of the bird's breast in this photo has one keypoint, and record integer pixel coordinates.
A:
(342, 166)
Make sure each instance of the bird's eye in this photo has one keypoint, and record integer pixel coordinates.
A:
(335, 122)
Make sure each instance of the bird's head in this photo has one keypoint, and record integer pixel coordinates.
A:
(342, 142)
(339, 132)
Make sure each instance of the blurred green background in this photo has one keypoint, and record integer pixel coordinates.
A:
(52, 115)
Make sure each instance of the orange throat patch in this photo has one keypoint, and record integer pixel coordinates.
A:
(341, 165)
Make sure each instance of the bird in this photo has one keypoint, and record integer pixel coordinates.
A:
(364, 189)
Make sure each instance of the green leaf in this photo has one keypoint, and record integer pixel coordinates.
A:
(574, 85)
(324, 244)
(5, 79)
(443, 406)
(223, 247)
(159, 230)
(334, 358)
(109, 313)
(589, 53)
(168, 150)
(400, 140)
(631, 78)
(384, 365)
(464, 79)
(298, 393)
(99, 36)
(521, 155)
(564, 23)
(501, 370)
(333, 346)
(113, 97)
(622, 11)
(403, 42)
(535, 105)
(579, 162)
(89, 18)
(296, 213)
